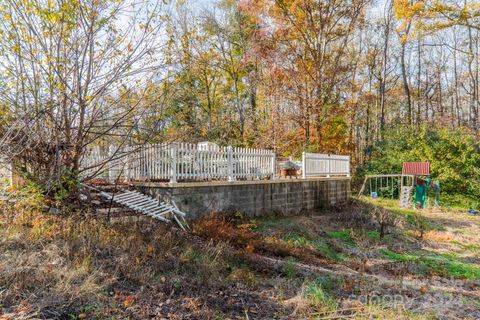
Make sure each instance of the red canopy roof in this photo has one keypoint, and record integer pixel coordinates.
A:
(416, 168)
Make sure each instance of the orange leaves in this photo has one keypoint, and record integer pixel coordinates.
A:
(150, 249)
(43, 227)
(252, 8)
(128, 302)
(217, 228)
(305, 70)
(124, 299)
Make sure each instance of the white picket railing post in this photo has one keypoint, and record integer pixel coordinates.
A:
(274, 164)
(329, 166)
(230, 163)
(127, 165)
(178, 161)
(348, 166)
(314, 164)
(173, 163)
(110, 163)
(304, 165)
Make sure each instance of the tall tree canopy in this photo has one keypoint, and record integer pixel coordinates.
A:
(292, 75)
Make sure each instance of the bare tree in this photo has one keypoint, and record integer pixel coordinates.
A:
(388, 18)
(75, 73)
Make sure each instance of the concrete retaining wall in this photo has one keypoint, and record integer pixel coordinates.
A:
(253, 197)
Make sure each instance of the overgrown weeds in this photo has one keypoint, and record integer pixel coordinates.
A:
(58, 267)
(50, 262)
(240, 235)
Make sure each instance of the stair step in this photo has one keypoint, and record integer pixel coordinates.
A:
(112, 210)
(137, 202)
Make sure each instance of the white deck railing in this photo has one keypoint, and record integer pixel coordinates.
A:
(316, 164)
(180, 161)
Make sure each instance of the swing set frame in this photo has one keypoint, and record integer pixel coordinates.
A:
(406, 180)
(408, 177)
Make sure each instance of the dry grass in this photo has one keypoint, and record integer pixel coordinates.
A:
(439, 236)
(238, 234)
(56, 266)
(59, 267)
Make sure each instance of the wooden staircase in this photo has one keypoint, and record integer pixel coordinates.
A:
(145, 205)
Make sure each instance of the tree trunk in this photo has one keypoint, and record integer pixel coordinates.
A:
(406, 87)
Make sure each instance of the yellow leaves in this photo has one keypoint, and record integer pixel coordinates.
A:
(61, 87)
(52, 17)
(404, 38)
(418, 6)
(293, 6)
(128, 302)
(16, 48)
(441, 7)
(184, 258)
(430, 16)
(28, 39)
(407, 10)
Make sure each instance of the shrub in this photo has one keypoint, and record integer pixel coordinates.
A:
(453, 154)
